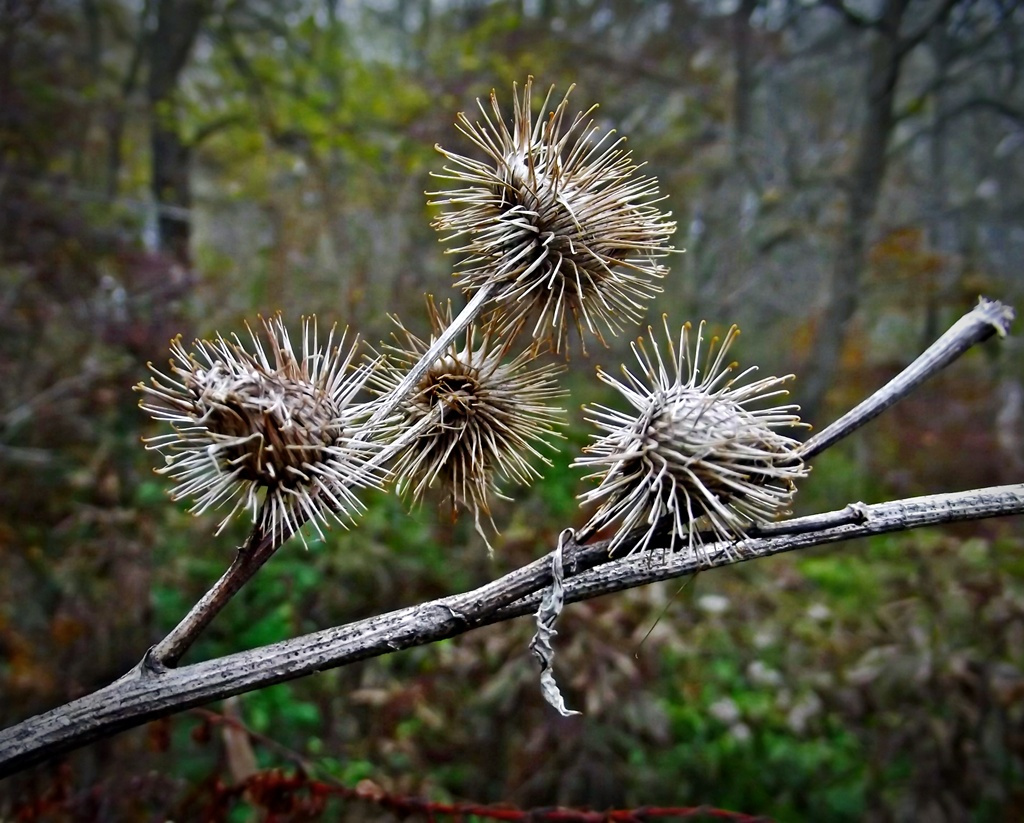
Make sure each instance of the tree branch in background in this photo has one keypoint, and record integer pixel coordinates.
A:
(850, 16)
(936, 18)
(978, 103)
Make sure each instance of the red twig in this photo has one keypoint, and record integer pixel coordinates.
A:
(297, 795)
(277, 784)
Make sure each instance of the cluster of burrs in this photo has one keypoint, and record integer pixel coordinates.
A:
(556, 234)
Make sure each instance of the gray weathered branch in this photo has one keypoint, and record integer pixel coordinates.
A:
(987, 318)
(147, 693)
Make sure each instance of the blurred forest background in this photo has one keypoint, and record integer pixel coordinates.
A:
(847, 177)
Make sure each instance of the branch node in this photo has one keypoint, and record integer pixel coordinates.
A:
(455, 613)
(151, 665)
(860, 511)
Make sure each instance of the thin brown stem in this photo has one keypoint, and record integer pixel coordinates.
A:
(249, 559)
(259, 548)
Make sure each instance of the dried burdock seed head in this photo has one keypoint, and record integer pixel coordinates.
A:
(476, 416)
(699, 447)
(270, 430)
(556, 218)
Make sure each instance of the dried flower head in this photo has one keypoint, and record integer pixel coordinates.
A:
(476, 415)
(694, 451)
(555, 218)
(272, 434)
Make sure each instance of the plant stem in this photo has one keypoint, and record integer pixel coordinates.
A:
(147, 693)
(249, 558)
(391, 400)
(987, 318)
(856, 520)
(259, 548)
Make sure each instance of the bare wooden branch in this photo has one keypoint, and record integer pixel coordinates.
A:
(987, 318)
(249, 559)
(147, 692)
(854, 521)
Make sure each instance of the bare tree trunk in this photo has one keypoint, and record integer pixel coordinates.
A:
(743, 65)
(117, 113)
(171, 40)
(862, 188)
(943, 230)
